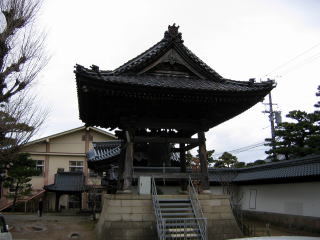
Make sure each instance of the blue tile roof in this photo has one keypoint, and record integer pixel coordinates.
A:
(109, 150)
(67, 182)
(104, 150)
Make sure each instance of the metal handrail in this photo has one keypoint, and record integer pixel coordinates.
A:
(188, 230)
(202, 222)
(156, 205)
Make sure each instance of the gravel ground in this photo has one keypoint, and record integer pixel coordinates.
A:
(49, 227)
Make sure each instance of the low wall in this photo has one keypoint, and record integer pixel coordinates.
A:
(309, 224)
(221, 222)
(131, 216)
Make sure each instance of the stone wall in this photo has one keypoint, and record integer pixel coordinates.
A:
(126, 216)
(221, 222)
(131, 216)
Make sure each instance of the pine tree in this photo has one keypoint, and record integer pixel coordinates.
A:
(314, 140)
(299, 137)
(19, 176)
(226, 160)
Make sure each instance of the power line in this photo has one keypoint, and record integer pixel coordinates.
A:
(243, 149)
(292, 59)
(301, 64)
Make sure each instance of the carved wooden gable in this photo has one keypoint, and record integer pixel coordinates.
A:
(173, 64)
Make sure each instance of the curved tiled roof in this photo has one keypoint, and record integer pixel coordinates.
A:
(128, 73)
(104, 150)
(177, 82)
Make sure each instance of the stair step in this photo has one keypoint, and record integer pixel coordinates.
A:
(182, 230)
(175, 204)
(177, 214)
(174, 200)
(188, 224)
(175, 209)
(183, 236)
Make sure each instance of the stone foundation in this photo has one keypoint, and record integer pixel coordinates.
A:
(221, 222)
(131, 216)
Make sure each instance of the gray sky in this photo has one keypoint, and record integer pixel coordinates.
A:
(238, 39)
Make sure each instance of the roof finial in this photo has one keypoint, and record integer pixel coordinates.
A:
(173, 34)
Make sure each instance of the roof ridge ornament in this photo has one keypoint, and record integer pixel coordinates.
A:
(173, 34)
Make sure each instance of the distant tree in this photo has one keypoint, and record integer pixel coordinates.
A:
(210, 156)
(22, 57)
(239, 165)
(19, 176)
(257, 162)
(191, 160)
(226, 160)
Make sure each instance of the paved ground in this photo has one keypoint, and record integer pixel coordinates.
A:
(48, 227)
(52, 227)
(260, 229)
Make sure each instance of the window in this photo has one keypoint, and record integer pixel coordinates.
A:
(40, 167)
(75, 166)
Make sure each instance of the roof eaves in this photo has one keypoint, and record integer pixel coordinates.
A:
(55, 135)
(68, 132)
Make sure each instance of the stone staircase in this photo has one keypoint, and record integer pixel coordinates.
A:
(180, 218)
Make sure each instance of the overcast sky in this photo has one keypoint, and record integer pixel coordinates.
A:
(238, 39)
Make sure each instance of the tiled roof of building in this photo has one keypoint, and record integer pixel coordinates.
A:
(302, 168)
(67, 182)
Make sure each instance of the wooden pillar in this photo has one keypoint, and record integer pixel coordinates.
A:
(120, 170)
(203, 161)
(183, 166)
(46, 163)
(128, 163)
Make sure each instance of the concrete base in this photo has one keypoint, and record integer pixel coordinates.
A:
(131, 216)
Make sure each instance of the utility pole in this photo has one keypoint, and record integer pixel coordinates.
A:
(271, 119)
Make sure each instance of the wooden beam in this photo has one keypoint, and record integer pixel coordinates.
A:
(191, 146)
(169, 175)
(165, 140)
